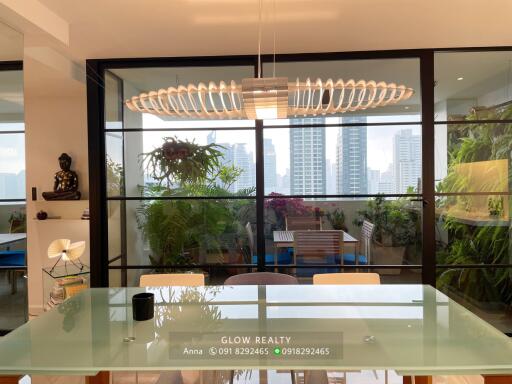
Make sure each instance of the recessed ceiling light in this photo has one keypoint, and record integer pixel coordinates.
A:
(460, 78)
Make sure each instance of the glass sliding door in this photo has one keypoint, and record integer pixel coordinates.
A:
(473, 136)
(369, 173)
(13, 247)
(177, 218)
(347, 171)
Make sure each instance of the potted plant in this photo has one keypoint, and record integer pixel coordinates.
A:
(278, 207)
(337, 219)
(18, 222)
(186, 231)
(396, 230)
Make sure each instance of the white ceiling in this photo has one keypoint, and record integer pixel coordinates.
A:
(128, 28)
(160, 28)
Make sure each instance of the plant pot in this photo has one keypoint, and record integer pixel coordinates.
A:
(387, 239)
(388, 256)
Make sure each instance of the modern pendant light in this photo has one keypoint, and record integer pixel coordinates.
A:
(268, 97)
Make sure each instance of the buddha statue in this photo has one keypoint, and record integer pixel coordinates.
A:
(66, 182)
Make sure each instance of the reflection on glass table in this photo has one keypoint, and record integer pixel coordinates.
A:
(410, 329)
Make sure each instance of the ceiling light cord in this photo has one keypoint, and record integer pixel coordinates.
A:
(259, 38)
(274, 65)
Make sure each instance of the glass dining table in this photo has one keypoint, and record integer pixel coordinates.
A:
(412, 330)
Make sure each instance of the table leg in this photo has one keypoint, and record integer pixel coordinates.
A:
(10, 379)
(102, 377)
(497, 379)
(418, 380)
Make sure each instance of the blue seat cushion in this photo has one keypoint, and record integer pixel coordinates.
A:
(12, 258)
(309, 272)
(282, 258)
(350, 259)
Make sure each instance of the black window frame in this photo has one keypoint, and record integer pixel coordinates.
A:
(98, 199)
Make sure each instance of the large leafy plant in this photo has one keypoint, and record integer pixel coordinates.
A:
(182, 161)
(396, 221)
(179, 230)
(470, 244)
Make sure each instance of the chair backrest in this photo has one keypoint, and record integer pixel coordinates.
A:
(318, 244)
(261, 278)
(346, 278)
(172, 279)
(366, 239)
(300, 223)
(250, 236)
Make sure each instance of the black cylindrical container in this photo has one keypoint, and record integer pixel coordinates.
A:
(143, 306)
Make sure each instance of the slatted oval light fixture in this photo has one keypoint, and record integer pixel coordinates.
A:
(268, 97)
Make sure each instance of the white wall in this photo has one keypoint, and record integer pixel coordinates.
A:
(55, 122)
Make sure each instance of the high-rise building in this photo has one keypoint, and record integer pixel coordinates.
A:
(373, 181)
(283, 182)
(307, 158)
(269, 153)
(243, 160)
(351, 157)
(406, 160)
(330, 170)
(238, 156)
(386, 181)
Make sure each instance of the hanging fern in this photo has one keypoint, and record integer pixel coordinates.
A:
(182, 161)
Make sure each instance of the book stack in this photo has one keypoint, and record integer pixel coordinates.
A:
(64, 288)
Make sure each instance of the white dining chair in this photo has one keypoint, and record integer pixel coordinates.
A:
(346, 278)
(182, 280)
(362, 278)
(172, 279)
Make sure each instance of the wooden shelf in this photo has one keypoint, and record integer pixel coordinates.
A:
(59, 220)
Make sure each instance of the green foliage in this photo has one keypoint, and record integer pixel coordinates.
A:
(18, 221)
(469, 244)
(397, 220)
(115, 177)
(180, 231)
(181, 161)
(337, 219)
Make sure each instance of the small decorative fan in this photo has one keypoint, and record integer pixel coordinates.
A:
(63, 249)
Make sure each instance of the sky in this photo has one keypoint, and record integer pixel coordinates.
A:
(12, 150)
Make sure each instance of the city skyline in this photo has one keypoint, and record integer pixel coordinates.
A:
(278, 142)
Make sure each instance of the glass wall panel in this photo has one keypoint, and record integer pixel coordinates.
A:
(113, 101)
(226, 156)
(473, 85)
(473, 178)
(397, 71)
(12, 166)
(473, 229)
(11, 100)
(13, 283)
(202, 232)
(487, 292)
(356, 160)
(379, 231)
(473, 157)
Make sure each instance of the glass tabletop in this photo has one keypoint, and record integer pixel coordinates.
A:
(413, 329)
(67, 270)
